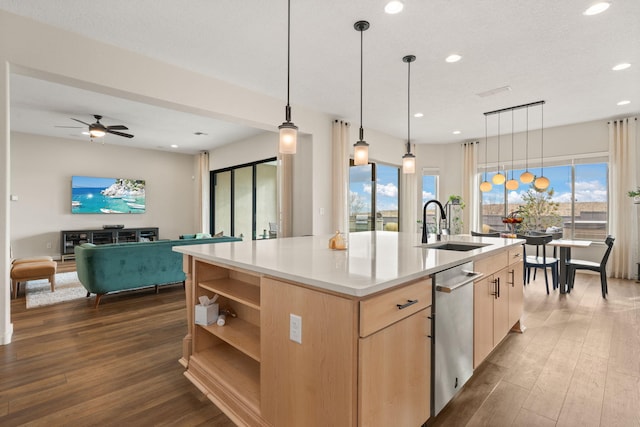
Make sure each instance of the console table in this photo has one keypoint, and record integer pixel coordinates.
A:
(69, 239)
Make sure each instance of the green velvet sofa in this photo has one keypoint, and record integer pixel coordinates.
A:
(116, 267)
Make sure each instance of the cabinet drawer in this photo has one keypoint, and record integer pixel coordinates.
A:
(515, 254)
(383, 310)
(491, 264)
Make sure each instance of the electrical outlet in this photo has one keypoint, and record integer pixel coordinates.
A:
(295, 328)
(48, 245)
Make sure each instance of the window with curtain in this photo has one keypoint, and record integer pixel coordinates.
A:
(244, 200)
(579, 188)
(373, 197)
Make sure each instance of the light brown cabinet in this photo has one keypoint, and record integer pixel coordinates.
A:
(361, 361)
(394, 377)
(497, 301)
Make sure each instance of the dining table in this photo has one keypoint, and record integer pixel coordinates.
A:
(565, 246)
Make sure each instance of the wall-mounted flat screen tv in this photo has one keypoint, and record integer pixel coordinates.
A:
(93, 195)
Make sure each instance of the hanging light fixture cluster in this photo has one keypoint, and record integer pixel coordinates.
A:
(409, 159)
(526, 177)
(288, 130)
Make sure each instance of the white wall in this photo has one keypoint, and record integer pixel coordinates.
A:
(41, 178)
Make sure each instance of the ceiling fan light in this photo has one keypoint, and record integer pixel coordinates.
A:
(526, 177)
(541, 183)
(288, 138)
(512, 184)
(408, 163)
(485, 186)
(97, 133)
(360, 153)
(498, 179)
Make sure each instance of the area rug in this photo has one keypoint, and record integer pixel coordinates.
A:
(68, 288)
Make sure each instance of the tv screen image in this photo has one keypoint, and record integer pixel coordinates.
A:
(94, 195)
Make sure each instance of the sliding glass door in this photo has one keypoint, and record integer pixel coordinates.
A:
(244, 200)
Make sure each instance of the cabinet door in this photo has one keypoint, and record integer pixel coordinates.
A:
(501, 324)
(516, 294)
(483, 297)
(395, 373)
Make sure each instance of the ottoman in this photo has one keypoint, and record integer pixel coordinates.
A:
(23, 270)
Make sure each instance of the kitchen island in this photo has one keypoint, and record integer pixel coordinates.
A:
(326, 337)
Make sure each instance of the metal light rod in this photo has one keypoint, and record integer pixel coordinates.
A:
(531, 104)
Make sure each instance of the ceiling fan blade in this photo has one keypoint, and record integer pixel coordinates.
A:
(117, 127)
(126, 135)
(84, 123)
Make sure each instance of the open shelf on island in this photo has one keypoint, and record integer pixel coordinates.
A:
(234, 371)
(236, 290)
(239, 333)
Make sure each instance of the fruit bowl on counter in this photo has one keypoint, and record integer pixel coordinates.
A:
(511, 220)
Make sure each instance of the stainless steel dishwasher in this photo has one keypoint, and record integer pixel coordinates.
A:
(453, 332)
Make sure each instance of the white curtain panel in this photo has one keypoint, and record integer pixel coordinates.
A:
(623, 213)
(470, 186)
(285, 195)
(203, 191)
(340, 176)
(409, 201)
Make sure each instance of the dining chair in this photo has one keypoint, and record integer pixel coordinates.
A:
(537, 261)
(495, 234)
(577, 264)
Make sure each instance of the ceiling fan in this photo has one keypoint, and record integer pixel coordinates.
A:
(98, 130)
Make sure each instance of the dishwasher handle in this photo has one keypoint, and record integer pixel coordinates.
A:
(470, 277)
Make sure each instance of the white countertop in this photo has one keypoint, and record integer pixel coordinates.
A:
(374, 260)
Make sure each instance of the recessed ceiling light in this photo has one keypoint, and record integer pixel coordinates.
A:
(453, 58)
(456, 132)
(174, 146)
(418, 115)
(394, 7)
(597, 8)
(625, 102)
(622, 66)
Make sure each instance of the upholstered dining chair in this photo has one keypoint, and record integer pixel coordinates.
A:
(494, 234)
(578, 264)
(536, 261)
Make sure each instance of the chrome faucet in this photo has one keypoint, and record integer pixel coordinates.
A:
(443, 216)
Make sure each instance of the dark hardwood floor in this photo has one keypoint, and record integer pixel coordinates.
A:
(577, 364)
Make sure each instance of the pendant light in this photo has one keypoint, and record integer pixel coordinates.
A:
(542, 183)
(485, 185)
(409, 160)
(288, 131)
(498, 178)
(361, 148)
(527, 177)
(512, 184)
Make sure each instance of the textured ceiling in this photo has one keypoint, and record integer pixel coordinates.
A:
(544, 50)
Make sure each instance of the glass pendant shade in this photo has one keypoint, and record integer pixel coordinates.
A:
(526, 177)
(408, 163)
(360, 153)
(541, 183)
(288, 138)
(512, 184)
(485, 186)
(498, 179)
(97, 133)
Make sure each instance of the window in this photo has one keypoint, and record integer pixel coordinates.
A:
(579, 190)
(244, 201)
(373, 197)
(429, 192)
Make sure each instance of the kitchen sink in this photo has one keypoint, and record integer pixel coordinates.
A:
(455, 246)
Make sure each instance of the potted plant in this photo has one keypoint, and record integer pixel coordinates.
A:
(454, 206)
(635, 195)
